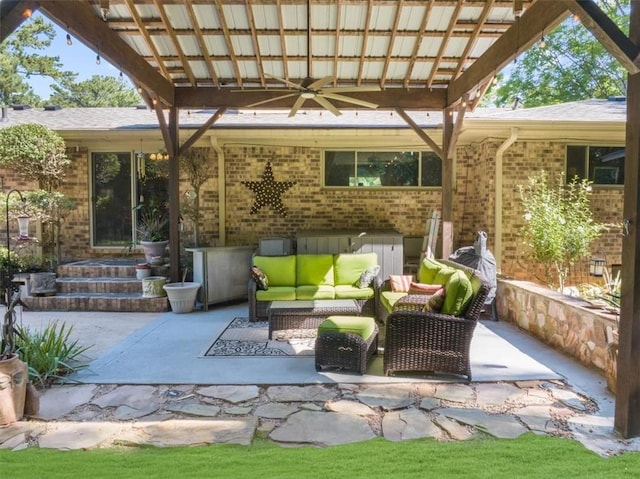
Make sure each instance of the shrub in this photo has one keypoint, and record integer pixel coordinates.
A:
(50, 353)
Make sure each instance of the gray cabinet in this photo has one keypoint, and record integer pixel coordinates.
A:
(387, 244)
(222, 271)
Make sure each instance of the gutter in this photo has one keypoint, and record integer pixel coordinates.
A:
(498, 196)
(222, 192)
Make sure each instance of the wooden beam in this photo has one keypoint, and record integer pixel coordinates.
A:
(229, 43)
(365, 39)
(447, 183)
(12, 14)
(417, 43)
(457, 127)
(541, 16)
(413, 99)
(174, 195)
(607, 33)
(201, 131)
(254, 41)
(164, 127)
(627, 412)
(336, 51)
(444, 43)
(83, 21)
(283, 45)
(421, 133)
(394, 32)
(176, 44)
(464, 57)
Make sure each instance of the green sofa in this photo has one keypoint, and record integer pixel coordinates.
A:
(313, 277)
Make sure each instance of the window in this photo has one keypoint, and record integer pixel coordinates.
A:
(363, 169)
(604, 165)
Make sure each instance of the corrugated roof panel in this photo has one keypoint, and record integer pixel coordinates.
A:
(248, 69)
(265, 16)
(294, 17)
(225, 70)
(481, 46)
(411, 18)
(403, 46)
(348, 70)
(118, 12)
(470, 13)
(242, 45)
(322, 69)
(215, 44)
(199, 69)
(164, 45)
(273, 68)
(236, 17)
(297, 70)
(372, 70)
(382, 17)
(429, 46)
(178, 16)
(350, 46)
(138, 43)
(323, 17)
(189, 45)
(295, 45)
(323, 45)
(147, 11)
(269, 45)
(353, 17)
(455, 47)
(377, 46)
(421, 70)
(397, 70)
(440, 18)
(207, 16)
(501, 14)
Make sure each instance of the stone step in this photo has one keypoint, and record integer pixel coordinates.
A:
(123, 302)
(69, 284)
(114, 268)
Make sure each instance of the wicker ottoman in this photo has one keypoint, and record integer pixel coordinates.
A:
(346, 342)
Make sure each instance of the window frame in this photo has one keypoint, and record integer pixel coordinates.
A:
(587, 163)
(355, 151)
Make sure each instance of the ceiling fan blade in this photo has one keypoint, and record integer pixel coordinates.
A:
(286, 82)
(296, 106)
(348, 99)
(327, 105)
(269, 100)
(351, 89)
(320, 83)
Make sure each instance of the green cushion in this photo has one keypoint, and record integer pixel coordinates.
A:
(314, 269)
(277, 293)
(280, 270)
(443, 276)
(390, 298)
(308, 292)
(353, 292)
(349, 267)
(363, 326)
(458, 294)
(428, 270)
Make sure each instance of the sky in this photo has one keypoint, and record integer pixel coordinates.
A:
(76, 57)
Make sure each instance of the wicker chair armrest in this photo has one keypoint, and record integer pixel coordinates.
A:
(385, 285)
(415, 322)
(412, 302)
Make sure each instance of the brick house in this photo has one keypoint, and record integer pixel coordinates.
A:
(327, 157)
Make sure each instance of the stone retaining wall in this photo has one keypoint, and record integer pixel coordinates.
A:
(559, 320)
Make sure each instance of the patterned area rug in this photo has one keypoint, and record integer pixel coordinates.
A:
(244, 338)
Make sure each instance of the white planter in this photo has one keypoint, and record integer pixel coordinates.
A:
(142, 273)
(182, 296)
(152, 286)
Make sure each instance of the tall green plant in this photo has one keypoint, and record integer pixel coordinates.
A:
(559, 224)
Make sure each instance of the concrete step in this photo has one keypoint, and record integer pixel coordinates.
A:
(114, 268)
(120, 302)
(69, 284)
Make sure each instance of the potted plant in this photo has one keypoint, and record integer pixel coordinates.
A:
(182, 295)
(151, 229)
(13, 371)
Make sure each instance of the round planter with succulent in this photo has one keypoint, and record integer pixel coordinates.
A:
(151, 230)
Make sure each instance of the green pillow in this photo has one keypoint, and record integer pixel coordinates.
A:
(428, 270)
(281, 270)
(443, 276)
(458, 294)
(348, 267)
(314, 269)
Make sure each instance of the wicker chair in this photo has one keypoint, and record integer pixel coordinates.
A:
(433, 342)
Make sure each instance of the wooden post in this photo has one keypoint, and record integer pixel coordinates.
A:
(627, 413)
(447, 183)
(174, 196)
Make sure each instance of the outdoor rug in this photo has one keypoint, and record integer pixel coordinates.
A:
(245, 338)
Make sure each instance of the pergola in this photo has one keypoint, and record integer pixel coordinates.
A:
(434, 55)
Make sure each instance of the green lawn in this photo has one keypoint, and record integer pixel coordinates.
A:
(529, 456)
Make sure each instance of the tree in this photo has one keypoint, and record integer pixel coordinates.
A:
(20, 59)
(98, 91)
(559, 224)
(197, 167)
(571, 66)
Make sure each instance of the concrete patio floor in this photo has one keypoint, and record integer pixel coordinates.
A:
(572, 401)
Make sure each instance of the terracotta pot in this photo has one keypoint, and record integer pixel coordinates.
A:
(13, 389)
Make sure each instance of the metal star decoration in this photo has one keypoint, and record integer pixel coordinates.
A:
(268, 191)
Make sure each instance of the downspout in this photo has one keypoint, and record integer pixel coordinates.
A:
(222, 192)
(498, 196)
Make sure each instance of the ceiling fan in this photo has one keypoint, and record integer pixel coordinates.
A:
(310, 89)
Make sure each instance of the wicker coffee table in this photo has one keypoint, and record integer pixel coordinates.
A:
(307, 314)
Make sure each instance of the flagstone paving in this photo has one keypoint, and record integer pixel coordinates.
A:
(95, 416)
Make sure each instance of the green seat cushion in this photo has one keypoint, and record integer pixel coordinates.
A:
(428, 270)
(349, 267)
(353, 292)
(443, 276)
(458, 294)
(390, 298)
(277, 293)
(280, 270)
(314, 269)
(363, 326)
(315, 292)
